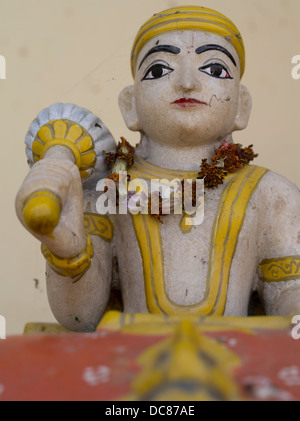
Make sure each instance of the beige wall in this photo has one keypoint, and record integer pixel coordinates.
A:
(78, 51)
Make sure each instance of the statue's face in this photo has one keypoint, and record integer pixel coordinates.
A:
(186, 88)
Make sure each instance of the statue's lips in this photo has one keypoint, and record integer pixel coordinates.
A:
(188, 102)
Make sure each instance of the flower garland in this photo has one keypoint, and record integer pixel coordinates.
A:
(228, 158)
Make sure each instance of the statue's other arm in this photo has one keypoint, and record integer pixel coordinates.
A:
(279, 250)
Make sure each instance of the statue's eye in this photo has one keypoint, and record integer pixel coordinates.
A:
(216, 70)
(157, 71)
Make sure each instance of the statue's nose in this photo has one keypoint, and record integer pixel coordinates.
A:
(188, 79)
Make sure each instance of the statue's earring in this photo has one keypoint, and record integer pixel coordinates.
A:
(128, 108)
(244, 109)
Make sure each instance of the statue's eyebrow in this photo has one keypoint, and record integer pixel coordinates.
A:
(165, 48)
(210, 47)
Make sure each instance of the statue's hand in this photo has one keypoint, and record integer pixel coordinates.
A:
(50, 203)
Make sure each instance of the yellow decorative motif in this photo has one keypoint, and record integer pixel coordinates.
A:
(227, 225)
(73, 267)
(41, 212)
(280, 270)
(186, 224)
(195, 18)
(99, 225)
(185, 227)
(72, 136)
(186, 367)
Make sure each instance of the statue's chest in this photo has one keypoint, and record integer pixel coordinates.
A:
(179, 266)
(184, 258)
(188, 271)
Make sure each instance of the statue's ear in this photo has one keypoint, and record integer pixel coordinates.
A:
(244, 109)
(128, 108)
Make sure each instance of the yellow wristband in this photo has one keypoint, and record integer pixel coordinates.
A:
(72, 267)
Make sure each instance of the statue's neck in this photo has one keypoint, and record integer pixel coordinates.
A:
(176, 158)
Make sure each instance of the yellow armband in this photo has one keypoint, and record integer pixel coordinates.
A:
(280, 270)
(73, 267)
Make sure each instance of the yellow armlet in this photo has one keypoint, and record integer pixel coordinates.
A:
(73, 267)
(279, 270)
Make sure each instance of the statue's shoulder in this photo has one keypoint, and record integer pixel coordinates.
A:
(273, 181)
(274, 188)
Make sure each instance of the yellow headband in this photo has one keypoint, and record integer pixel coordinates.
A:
(188, 18)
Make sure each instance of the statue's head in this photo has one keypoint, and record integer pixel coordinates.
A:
(187, 63)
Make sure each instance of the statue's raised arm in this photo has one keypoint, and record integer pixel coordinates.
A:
(64, 147)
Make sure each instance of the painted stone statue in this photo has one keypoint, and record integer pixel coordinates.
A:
(186, 101)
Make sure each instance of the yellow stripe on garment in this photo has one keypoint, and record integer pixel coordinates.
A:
(151, 171)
